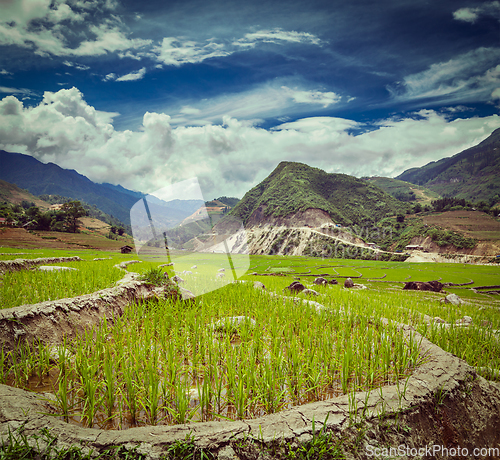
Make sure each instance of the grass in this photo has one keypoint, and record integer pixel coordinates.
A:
(33, 286)
(169, 366)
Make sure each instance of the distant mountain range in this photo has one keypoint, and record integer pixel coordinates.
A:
(50, 179)
(473, 174)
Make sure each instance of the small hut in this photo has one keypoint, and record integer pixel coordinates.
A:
(126, 249)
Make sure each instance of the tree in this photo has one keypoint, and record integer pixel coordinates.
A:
(400, 218)
(121, 231)
(72, 211)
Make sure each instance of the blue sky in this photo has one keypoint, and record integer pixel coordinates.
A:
(150, 93)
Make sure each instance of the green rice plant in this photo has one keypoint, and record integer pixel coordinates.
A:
(130, 395)
(180, 410)
(63, 396)
(109, 381)
(90, 385)
(150, 397)
(43, 360)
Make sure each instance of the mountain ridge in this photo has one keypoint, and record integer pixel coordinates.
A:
(471, 174)
(50, 179)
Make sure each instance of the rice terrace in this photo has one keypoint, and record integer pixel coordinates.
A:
(286, 362)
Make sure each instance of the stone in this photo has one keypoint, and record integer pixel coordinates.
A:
(333, 282)
(186, 294)
(453, 299)
(320, 281)
(434, 286)
(359, 286)
(295, 287)
(193, 267)
(438, 320)
(54, 268)
(465, 321)
(227, 453)
(348, 283)
(177, 279)
(310, 292)
(221, 270)
(221, 275)
(258, 285)
(166, 265)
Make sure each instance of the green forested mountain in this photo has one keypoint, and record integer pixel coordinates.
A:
(472, 174)
(294, 187)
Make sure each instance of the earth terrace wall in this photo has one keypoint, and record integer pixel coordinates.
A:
(51, 321)
(23, 264)
(444, 402)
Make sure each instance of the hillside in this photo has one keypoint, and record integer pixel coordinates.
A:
(471, 174)
(39, 178)
(12, 194)
(404, 191)
(297, 194)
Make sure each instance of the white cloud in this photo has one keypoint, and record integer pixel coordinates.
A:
(269, 100)
(472, 75)
(277, 35)
(313, 97)
(176, 51)
(495, 94)
(5, 89)
(5, 72)
(466, 14)
(228, 158)
(76, 66)
(137, 75)
(472, 14)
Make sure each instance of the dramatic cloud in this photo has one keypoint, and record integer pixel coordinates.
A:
(46, 27)
(228, 158)
(473, 75)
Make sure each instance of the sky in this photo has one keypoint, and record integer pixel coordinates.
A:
(148, 94)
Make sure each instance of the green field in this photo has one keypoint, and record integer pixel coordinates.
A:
(170, 362)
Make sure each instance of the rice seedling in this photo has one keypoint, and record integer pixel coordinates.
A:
(167, 362)
(33, 286)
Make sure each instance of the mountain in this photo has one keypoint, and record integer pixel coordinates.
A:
(298, 194)
(40, 178)
(471, 174)
(404, 191)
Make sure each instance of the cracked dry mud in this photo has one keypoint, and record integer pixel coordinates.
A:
(467, 415)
